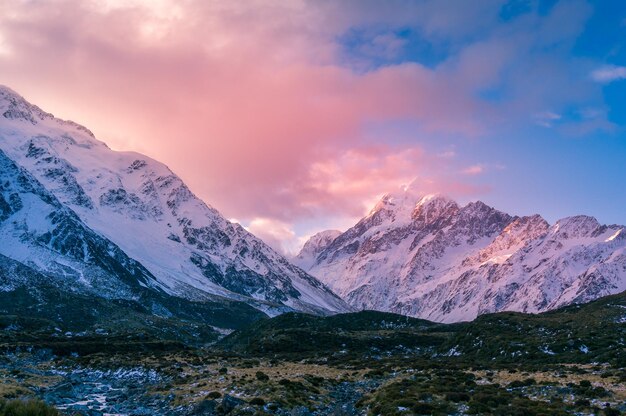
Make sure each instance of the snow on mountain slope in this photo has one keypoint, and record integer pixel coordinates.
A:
(428, 257)
(313, 247)
(36, 230)
(139, 205)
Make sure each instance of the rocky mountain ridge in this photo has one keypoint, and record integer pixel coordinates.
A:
(428, 257)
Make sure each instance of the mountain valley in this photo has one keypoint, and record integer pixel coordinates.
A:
(122, 293)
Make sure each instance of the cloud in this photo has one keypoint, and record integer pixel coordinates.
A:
(473, 170)
(277, 234)
(5, 50)
(449, 153)
(253, 104)
(592, 113)
(241, 109)
(585, 127)
(385, 45)
(547, 118)
(608, 74)
(482, 168)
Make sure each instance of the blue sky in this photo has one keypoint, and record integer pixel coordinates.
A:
(566, 159)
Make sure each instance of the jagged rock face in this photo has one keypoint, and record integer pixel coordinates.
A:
(37, 230)
(184, 247)
(426, 256)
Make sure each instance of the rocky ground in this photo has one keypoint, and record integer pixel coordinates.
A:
(207, 382)
(181, 384)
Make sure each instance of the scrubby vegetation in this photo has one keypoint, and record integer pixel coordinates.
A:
(26, 407)
(444, 392)
(569, 361)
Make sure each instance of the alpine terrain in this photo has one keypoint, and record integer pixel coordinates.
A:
(79, 219)
(314, 246)
(428, 257)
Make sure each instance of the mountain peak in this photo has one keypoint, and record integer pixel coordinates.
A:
(319, 241)
(435, 200)
(433, 207)
(477, 206)
(402, 204)
(14, 107)
(575, 226)
(529, 223)
(314, 246)
(6, 92)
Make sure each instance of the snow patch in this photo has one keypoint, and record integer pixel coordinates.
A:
(614, 236)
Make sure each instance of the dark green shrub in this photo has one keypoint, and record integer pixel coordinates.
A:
(314, 380)
(257, 401)
(598, 392)
(374, 373)
(261, 376)
(425, 396)
(26, 407)
(406, 403)
(487, 399)
(609, 411)
(582, 403)
(214, 395)
(522, 383)
(250, 363)
(457, 397)
(423, 409)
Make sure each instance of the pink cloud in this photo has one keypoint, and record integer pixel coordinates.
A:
(241, 119)
(247, 101)
(473, 170)
(279, 235)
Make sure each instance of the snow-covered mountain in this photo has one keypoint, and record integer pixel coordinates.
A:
(428, 257)
(313, 247)
(115, 224)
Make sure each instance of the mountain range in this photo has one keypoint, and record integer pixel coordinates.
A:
(79, 218)
(92, 237)
(428, 257)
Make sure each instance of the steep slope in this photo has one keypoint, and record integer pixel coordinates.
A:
(313, 247)
(428, 257)
(59, 308)
(54, 267)
(184, 247)
(37, 230)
